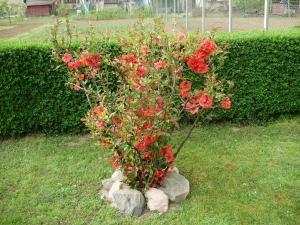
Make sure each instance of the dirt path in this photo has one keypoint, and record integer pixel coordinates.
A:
(18, 29)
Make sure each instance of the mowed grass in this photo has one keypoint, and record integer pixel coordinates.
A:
(238, 175)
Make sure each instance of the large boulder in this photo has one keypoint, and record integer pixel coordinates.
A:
(157, 200)
(176, 187)
(118, 175)
(115, 187)
(129, 201)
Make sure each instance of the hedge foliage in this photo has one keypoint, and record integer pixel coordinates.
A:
(265, 68)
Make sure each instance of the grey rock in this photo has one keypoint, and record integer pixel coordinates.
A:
(118, 175)
(107, 184)
(176, 187)
(157, 200)
(129, 201)
(174, 169)
(115, 187)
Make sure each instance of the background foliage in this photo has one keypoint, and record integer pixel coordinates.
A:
(265, 68)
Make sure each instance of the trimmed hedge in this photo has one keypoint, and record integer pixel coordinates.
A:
(265, 68)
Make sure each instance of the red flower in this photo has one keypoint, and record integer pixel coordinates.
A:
(205, 101)
(147, 125)
(66, 58)
(75, 65)
(77, 87)
(141, 71)
(129, 58)
(178, 75)
(115, 162)
(144, 49)
(208, 46)
(150, 112)
(160, 102)
(91, 60)
(185, 87)
(191, 107)
(197, 65)
(100, 124)
(226, 104)
(105, 143)
(81, 77)
(181, 37)
(159, 174)
(167, 152)
(160, 65)
(116, 120)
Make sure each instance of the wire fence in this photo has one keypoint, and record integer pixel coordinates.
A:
(229, 15)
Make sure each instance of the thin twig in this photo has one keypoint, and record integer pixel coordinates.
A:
(188, 135)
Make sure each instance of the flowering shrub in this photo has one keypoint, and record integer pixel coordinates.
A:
(153, 89)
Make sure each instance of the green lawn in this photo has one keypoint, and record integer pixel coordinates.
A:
(238, 175)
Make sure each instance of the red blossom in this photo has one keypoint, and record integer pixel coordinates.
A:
(226, 104)
(77, 87)
(185, 87)
(129, 58)
(141, 71)
(160, 64)
(144, 49)
(160, 102)
(178, 75)
(181, 37)
(100, 124)
(191, 107)
(75, 65)
(115, 162)
(116, 120)
(66, 58)
(81, 77)
(205, 101)
(208, 46)
(197, 65)
(105, 143)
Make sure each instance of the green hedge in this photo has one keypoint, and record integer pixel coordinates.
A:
(265, 68)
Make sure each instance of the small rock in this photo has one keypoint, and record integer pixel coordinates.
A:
(129, 201)
(107, 183)
(115, 187)
(103, 194)
(118, 175)
(174, 169)
(176, 187)
(157, 200)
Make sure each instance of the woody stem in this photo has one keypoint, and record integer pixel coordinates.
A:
(187, 137)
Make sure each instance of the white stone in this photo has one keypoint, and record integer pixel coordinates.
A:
(118, 175)
(174, 169)
(176, 187)
(115, 187)
(129, 201)
(107, 183)
(157, 200)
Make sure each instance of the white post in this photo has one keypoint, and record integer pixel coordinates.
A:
(203, 17)
(230, 16)
(186, 14)
(266, 15)
(166, 9)
(289, 9)
(174, 7)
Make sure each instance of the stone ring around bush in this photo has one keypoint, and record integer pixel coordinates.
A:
(132, 202)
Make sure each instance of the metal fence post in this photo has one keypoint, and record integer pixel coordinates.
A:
(203, 17)
(186, 14)
(174, 7)
(266, 15)
(166, 9)
(230, 16)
